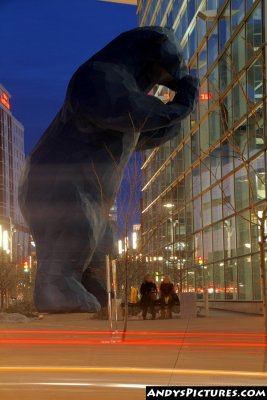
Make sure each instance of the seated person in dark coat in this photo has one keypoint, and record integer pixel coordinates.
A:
(166, 296)
(148, 291)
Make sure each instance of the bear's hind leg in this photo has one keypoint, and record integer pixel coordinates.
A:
(62, 255)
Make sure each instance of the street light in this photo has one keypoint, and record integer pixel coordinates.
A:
(168, 205)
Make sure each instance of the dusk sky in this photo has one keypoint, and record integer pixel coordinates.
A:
(42, 43)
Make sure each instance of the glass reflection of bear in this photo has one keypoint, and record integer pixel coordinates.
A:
(73, 174)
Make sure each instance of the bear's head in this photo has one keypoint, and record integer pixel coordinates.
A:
(152, 54)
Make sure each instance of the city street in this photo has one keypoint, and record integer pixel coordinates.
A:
(72, 357)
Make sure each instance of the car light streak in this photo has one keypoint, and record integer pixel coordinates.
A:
(128, 342)
(131, 370)
(75, 384)
(130, 333)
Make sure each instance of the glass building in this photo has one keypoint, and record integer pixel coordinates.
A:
(205, 190)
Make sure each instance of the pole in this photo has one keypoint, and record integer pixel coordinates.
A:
(206, 302)
(114, 278)
(109, 292)
(11, 239)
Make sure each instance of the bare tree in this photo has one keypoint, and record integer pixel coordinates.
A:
(7, 278)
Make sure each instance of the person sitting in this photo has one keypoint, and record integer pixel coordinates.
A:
(148, 292)
(166, 297)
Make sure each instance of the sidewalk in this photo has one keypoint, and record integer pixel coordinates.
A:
(218, 321)
(227, 348)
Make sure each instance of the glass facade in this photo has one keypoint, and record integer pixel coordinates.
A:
(204, 190)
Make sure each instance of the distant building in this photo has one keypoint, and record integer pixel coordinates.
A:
(113, 213)
(131, 243)
(14, 234)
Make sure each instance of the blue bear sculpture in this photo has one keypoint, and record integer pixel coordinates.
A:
(72, 176)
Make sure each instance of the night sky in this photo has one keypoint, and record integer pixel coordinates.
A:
(42, 43)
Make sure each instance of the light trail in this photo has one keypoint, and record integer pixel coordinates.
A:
(75, 384)
(131, 333)
(128, 342)
(132, 370)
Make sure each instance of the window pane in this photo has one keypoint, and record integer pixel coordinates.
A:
(192, 43)
(195, 146)
(197, 214)
(188, 187)
(256, 138)
(191, 8)
(204, 136)
(170, 20)
(205, 173)
(215, 165)
(241, 189)
(213, 80)
(224, 28)
(254, 32)
(228, 196)
(239, 99)
(196, 181)
(180, 194)
(186, 51)
(226, 113)
(225, 70)
(201, 30)
(207, 242)
(237, 12)
(214, 125)
(218, 248)
(239, 52)
(255, 82)
(184, 22)
(219, 281)
(202, 62)
(213, 47)
(198, 246)
(239, 141)
(206, 208)
(216, 194)
(189, 224)
(209, 280)
(231, 280)
(243, 233)
(257, 178)
(244, 278)
(229, 237)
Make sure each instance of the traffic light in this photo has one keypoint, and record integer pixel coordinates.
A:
(26, 266)
(200, 260)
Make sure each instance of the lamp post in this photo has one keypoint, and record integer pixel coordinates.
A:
(12, 231)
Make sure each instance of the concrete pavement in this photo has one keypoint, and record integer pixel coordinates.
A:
(71, 353)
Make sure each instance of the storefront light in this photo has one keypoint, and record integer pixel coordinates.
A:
(134, 240)
(5, 240)
(120, 249)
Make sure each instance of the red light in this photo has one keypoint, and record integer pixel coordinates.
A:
(4, 99)
(205, 96)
